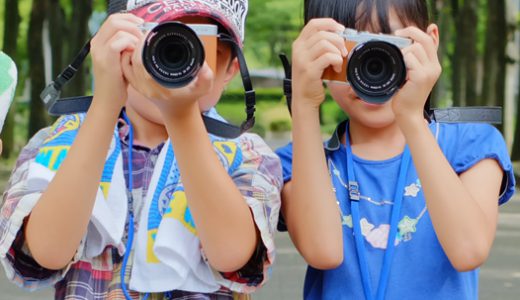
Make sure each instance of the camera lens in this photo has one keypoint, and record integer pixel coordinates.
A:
(173, 54)
(376, 70)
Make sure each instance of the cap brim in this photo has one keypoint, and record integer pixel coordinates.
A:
(156, 12)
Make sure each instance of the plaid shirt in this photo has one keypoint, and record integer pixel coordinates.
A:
(99, 277)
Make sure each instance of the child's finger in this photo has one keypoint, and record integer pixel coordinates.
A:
(332, 37)
(421, 37)
(122, 41)
(411, 61)
(112, 26)
(321, 48)
(316, 25)
(326, 60)
(418, 50)
(205, 77)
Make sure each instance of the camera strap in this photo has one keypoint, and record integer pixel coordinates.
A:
(471, 114)
(56, 107)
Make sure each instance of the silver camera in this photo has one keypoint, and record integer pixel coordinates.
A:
(375, 67)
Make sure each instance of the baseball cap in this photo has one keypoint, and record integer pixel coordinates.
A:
(231, 14)
(8, 78)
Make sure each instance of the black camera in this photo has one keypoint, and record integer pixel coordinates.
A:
(174, 52)
(375, 67)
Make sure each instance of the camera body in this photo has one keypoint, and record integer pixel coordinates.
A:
(374, 68)
(174, 52)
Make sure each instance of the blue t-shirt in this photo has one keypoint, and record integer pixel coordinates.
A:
(420, 269)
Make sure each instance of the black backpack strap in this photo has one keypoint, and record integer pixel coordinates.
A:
(287, 81)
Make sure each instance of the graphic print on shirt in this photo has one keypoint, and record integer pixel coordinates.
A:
(57, 146)
(377, 237)
(170, 201)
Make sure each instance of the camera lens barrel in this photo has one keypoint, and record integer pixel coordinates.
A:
(376, 70)
(173, 54)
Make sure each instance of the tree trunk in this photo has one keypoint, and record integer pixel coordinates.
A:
(11, 27)
(458, 59)
(470, 20)
(464, 61)
(56, 31)
(493, 86)
(441, 17)
(38, 117)
(81, 13)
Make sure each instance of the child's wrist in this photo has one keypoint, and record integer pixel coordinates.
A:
(411, 124)
(104, 110)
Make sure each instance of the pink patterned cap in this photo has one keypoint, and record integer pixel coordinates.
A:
(229, 13)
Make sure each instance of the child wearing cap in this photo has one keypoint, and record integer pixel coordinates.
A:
(134, 199)
(8, 78)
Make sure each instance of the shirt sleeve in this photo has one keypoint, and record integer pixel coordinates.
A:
(285, 153)
(19, 200)
(259, 179)
(467, 144)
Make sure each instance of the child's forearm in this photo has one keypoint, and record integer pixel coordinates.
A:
(223, 219)
(463, 208)
(59, 220)
(310, 195)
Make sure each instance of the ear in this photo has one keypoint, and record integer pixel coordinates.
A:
(232, 70)
(433, 32)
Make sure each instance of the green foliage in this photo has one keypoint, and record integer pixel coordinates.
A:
(280, 125)
(271, 27)
(262, 95)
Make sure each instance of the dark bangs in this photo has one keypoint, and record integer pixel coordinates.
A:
(359, 14)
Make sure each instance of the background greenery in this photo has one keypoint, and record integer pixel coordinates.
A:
(479, 52)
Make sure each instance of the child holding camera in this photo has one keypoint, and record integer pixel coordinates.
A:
(134, 199)
(8, 79)
(401, 207)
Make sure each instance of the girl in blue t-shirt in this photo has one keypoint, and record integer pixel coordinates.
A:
(402, 207)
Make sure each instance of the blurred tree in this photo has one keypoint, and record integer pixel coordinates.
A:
(495, 60)
(440, 14)
(79, 36)
(38, 117)
(11, 27)
(272, 26)
(57, 32)
(464, 59)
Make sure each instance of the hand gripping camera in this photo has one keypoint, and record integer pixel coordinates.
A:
(174, 53)
(374, 68)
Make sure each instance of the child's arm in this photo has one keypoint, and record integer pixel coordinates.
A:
(59, 220)
(309, 195)
(223, 219)
(463, 208)
(224, 222)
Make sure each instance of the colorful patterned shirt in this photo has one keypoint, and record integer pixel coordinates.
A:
(99, 278)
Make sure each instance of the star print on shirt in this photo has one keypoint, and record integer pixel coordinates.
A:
(413, 189)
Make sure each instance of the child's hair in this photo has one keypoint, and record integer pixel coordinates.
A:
(358, 14)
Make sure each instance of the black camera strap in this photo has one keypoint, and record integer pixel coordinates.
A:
(472, 114)
(56, 107)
